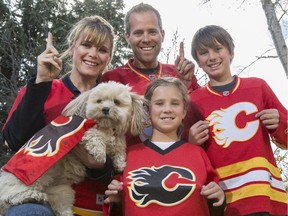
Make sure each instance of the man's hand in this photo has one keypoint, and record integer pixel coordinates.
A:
(183, 66)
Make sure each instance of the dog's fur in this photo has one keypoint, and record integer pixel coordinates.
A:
(116, 110)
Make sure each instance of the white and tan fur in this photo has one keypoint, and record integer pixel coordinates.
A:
(117, 110)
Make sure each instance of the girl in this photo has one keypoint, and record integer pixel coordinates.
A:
(90, 44)
(165, 175)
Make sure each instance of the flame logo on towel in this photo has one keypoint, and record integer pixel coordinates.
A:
(49, 140)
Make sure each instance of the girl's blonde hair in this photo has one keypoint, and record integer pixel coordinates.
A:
(95, 29)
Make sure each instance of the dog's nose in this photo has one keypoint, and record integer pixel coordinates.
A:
(105, 110)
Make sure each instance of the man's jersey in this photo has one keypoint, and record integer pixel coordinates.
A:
(166, 182)
(129, 74)
(239, 146)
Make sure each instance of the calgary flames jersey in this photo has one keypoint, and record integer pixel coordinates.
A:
(166, 182)
(239, 146)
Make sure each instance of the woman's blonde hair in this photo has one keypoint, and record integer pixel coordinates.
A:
(95, 29)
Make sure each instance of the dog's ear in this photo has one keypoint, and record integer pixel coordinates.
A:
(77, 106)
(140, 115)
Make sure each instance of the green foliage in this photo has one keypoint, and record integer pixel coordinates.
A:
(24, 26)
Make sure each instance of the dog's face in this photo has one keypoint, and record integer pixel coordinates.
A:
(110, 104)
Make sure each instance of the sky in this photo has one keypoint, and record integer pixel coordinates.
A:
(246, 24)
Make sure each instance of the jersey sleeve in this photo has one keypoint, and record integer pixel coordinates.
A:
(26, 116)
(278, 136)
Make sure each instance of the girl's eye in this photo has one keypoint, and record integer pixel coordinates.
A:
(158, 103)
(99, 101)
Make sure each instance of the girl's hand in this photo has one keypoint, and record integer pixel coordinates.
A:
(48, 63)
(269, 117)
(199, 133)
(213, 191)
(113, 192)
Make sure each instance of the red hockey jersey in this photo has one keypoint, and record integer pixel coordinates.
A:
(239, 146)
(128, 74)
(166, 182)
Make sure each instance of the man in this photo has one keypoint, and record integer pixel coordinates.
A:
(144, 34)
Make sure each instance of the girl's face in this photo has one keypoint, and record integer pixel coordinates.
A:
(167, 111)
(215, 62)
(89, 60)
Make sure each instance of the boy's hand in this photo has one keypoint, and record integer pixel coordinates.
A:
(199, 133)
(269, 117)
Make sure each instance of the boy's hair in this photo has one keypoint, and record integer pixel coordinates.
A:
(140, 8)
(95, 29)
(208, 36)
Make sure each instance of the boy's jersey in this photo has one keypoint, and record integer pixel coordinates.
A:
(166, 182)
(239, 145)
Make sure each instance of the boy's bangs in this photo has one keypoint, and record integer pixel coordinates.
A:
(208, 41)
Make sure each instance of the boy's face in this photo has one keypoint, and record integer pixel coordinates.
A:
(215, 61)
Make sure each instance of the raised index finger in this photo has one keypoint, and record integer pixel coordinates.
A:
(181, 50)
(49, 40)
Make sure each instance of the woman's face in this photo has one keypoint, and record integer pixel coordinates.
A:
(89, 60)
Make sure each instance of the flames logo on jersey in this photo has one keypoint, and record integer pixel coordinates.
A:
(165, 185)
(225, 129)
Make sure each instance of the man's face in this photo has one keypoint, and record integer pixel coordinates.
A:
(145, 38)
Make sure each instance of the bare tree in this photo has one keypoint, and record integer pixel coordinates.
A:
(275, 30)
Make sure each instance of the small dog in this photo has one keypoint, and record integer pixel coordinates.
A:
(116, 110)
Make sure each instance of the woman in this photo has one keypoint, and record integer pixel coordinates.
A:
(90, 43)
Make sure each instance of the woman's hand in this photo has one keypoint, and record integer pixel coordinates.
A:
(48, 63)
(83, 155)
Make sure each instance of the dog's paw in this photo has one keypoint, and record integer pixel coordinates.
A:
(119, 167)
